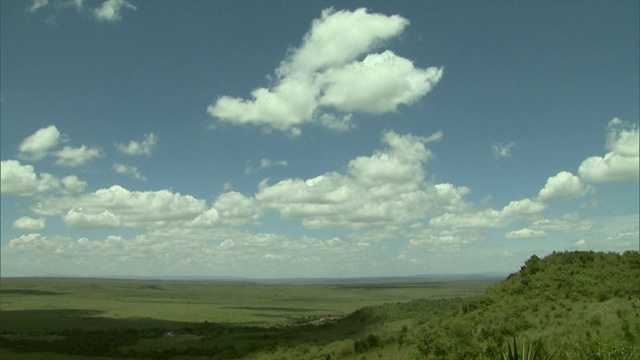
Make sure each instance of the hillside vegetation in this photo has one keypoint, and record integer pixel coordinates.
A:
(574, 305)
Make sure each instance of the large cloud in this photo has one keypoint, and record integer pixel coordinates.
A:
(490, 218)
(385, 189)
(18, 179)
(324, 74)
(564, 185)
(117, 206)
(621, 162)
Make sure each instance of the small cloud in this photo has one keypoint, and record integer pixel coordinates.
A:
(336, 123)
(502, 150)
(110, 10)
(131, 171)
(580, 243)
(135, 148)
(37, 4)
(526, 233)
(264, 164)
(227, 186)
(72, 184)
(27, 223)
(69, 156)
(37, 145)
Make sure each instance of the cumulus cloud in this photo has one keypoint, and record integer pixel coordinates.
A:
(324, 75)
(82, 219)
(69, 156)
(377, 84)
(564, 185)
(18, 179)
(621, 162)
(72, 184)
(38, 145)
(110, 10)
(502, 150)
(264, 164)
(117, 205)
(490, 218)
(131, 171)
(236, 209)
(135, 148)
(27, 223)
(383, 189)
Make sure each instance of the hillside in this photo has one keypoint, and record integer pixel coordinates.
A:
(574, 305)
(567, 303)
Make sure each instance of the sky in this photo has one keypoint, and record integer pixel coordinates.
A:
(281, 139)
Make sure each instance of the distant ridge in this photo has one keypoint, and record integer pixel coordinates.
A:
(292, 280)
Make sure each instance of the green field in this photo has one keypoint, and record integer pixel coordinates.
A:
(55, 303)
(578, 305)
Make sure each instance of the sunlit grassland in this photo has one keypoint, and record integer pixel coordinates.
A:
(54, 303)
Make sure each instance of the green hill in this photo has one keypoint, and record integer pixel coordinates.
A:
(567, 304)
(573, 305)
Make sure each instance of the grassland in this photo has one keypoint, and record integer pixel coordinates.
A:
(55, 303)
(580, 305)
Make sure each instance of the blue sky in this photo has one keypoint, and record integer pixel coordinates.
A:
(313, 139)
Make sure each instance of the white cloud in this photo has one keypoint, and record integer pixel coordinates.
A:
(502, 150)
(580, 243)
(235, 209)
(337, 123)
(134, 148)
(339, 37)
(526, 233)
(37, 4)
(564, 185)
(27, 223)
(69, 156)
(630, 236)
(72, 184)
(387, 188)
(324, 72)
(131, 208)
(376, 85)
(622, 162)
(490, 218)
(18, 179)
(81, 219)
(568, 223)
(110, 10)
(264, 164)
(37, 145)
(129, 170)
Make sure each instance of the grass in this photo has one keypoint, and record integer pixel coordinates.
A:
(91, 303)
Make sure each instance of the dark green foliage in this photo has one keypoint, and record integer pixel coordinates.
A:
(370, 342)
(535, 351)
